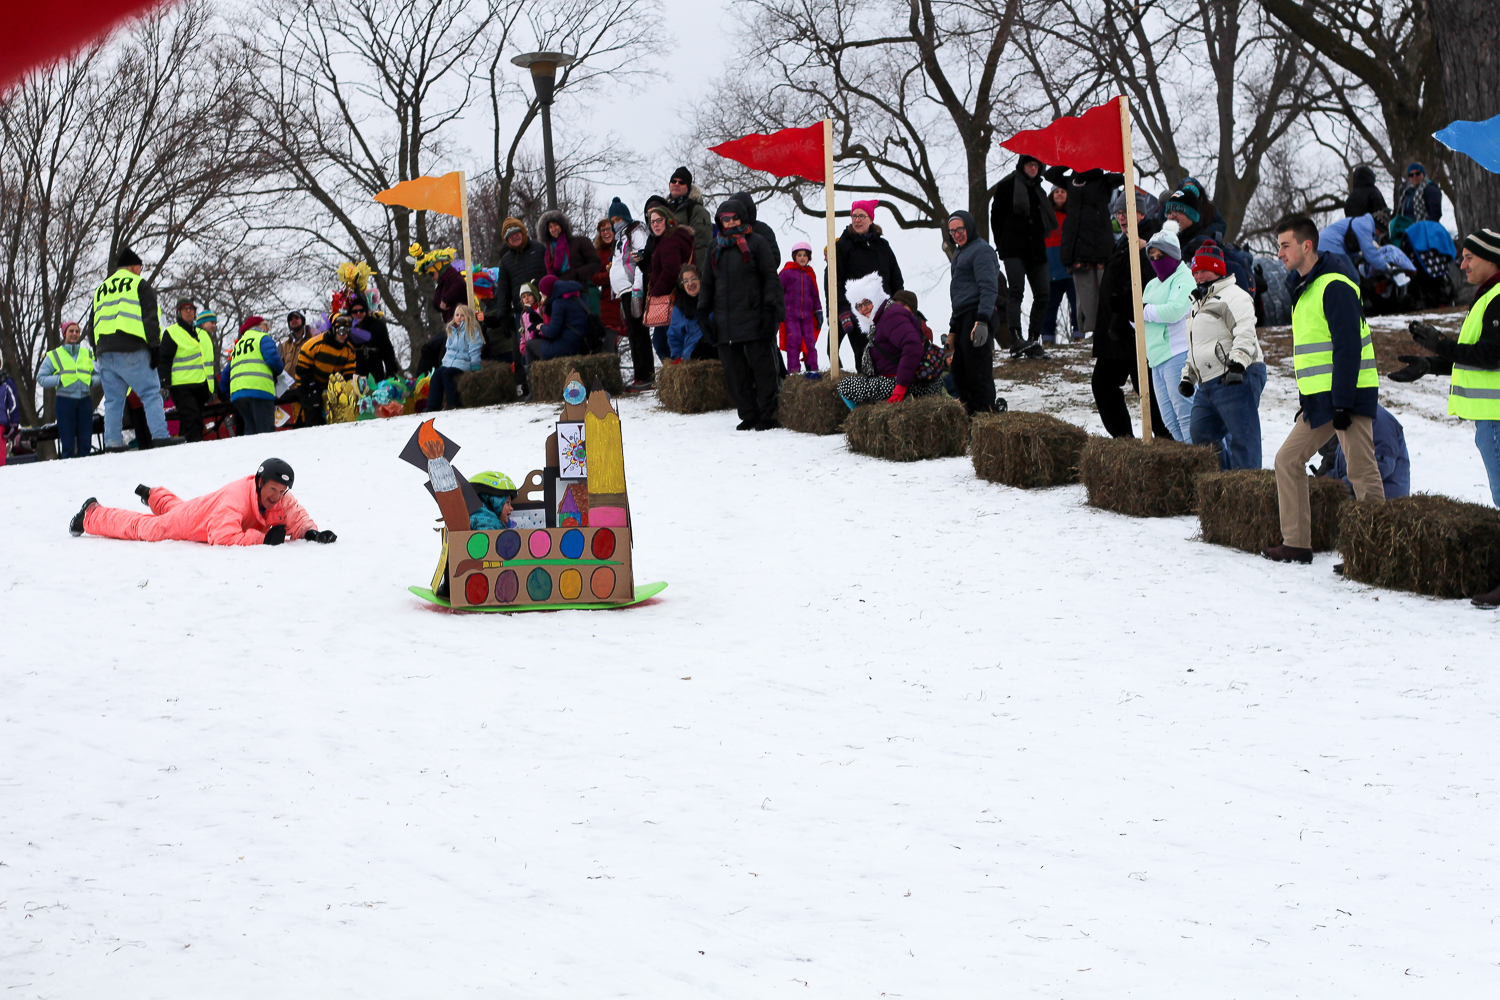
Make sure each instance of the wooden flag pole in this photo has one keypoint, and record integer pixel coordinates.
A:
(831, 306)
(463, 205)
(1143, 371)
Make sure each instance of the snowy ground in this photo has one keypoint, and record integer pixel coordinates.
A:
(892, 731)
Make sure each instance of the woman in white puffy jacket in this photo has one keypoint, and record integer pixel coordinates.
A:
(1225, 370)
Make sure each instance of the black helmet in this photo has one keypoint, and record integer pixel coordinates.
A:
(274, 470)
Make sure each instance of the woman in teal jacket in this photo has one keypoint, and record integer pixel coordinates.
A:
(1167, 298)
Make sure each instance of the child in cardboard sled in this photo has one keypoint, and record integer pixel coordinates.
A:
(256, 510)
(496, 492)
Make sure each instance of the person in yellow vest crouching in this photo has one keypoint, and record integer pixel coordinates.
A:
(1333, 356)
(125, 326)
(69, 368)
(1473, 360)
(249, 380)
(187, 358)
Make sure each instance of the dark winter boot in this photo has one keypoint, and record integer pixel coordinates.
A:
(1489, 601)
(1017, 343)
(144, 492)
(1288, 553)
(75, 526)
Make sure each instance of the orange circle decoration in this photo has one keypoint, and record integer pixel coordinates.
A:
(570, 584)
(602, 583)
(476, 588)
(604, 545)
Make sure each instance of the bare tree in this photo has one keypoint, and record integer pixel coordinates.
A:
(1469, 44)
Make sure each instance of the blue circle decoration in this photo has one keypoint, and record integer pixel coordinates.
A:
(508, 544)
(572, 543)
(539, 584)
(574, 393)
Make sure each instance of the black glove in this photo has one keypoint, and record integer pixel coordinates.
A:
(321, 537)
(818, 318)
(1425, 334)
(276, 535)
(1416, 367)
(155, 357)
(1235, 375)
(1342, 418)
(1186, 388)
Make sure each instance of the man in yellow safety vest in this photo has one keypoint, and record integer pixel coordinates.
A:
(187, 354)
(125, 326)
(1473, 360)
(1334, 360)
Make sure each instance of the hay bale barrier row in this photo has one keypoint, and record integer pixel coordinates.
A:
(492, 385)
(1026, 450)
(811, 405)
(1240, 509)
(549, 377)
(693, 387)
(1425, 544)
(1127, 476)
(914, 429)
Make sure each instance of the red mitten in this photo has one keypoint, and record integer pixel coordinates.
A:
(897, 394)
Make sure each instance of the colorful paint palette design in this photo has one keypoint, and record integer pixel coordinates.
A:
(517, 567)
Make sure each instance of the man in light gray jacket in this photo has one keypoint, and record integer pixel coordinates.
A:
(974, 289)
(1225, 370)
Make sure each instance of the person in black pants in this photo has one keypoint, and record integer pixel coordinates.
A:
(1114, 340)
(1021, 217)
(974, 289)
(742, 295)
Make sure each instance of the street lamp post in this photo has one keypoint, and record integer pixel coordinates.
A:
(543, 66)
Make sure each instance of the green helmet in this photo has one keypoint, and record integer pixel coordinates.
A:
(492, 484)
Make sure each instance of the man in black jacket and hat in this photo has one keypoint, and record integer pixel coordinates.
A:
(741, 306)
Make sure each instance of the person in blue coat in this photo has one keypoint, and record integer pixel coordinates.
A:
(1390, 455)
(249, 380)
(567, 323)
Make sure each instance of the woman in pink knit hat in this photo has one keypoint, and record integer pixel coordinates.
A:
(860, 250)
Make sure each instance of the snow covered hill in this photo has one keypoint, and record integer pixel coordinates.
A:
(892, 731)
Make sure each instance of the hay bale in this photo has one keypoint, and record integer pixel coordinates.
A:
(1127, 476)
(549, 377)
(811, 405)
(693, 387)
(1424, 543)
(1027, 450)
(928, 427)
(1240, 509)
(491, 385)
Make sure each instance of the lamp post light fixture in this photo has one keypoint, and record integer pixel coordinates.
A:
(544, 66)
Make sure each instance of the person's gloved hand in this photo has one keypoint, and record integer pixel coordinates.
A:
(1425, 334)
(321, 537)
(897, 394)
(276, 535)
(981, 335)
(1342, 418)
(1185, 387)
(846, 324)
(818, 319)
(1235, 375)
(1416, 367)
(155, 357)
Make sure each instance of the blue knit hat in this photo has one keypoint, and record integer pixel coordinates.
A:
(1416, 166)
(618, 210)
(206, 316)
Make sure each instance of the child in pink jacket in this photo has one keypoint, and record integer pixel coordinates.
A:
(804, 310)
(256, 510)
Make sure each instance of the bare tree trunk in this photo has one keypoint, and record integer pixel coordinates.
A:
(1468, 42)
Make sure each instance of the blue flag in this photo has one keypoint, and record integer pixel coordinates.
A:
(1478, 140)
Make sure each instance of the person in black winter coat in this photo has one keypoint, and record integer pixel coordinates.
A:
(376, 357)
(1087, 239)
(1021, 216)
(569, 256)
(859, 250)
(1364, 196)
(1115, 358)
(521, 262)
(757, 227)
(741, 307)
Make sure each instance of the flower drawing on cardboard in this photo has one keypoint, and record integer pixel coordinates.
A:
(572, 455)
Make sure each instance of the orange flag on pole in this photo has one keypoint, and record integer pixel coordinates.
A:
(435, 194)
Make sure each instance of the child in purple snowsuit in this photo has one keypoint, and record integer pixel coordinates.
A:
(804, 310)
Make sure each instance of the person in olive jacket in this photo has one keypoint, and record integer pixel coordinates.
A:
(741, 307)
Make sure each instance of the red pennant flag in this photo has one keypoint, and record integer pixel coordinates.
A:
(37, 33)
(792, 152)
(1083, 143)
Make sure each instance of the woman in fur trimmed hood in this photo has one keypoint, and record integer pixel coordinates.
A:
(888, 369)
(569, 257)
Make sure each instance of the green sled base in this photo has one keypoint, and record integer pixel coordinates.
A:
(642, 593)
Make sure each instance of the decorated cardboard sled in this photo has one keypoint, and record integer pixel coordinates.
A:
(568, 544)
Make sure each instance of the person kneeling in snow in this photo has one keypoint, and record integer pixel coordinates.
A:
(256, 510)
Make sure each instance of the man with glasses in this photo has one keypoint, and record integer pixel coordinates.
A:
(374, 358)
(686, 202)
(974, 291)
(1420, 200)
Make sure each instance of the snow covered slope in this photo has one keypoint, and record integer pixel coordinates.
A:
(892, 731)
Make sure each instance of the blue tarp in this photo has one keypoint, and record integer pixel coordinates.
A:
(1478, 140)
(1425, 236)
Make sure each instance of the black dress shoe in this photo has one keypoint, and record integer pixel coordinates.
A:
(1288, 553)
(766, 425)
(1489, 601)
(745, 425)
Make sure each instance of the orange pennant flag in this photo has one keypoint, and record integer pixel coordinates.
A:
(435, 194)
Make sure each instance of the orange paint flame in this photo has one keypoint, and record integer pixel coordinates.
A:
(429, 440)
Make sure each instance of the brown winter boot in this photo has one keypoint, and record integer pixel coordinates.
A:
(1287, 553)
(1489, 601)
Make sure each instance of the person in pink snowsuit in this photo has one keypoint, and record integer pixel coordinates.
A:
(804, 310)
(256, 510)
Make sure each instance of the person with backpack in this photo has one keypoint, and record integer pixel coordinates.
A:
(896, 350)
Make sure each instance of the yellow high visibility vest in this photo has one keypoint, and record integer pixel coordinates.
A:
(1312, 341)
(117, 306)
(1474, 393)
(248, 368)
(73, 370)
(194, 360)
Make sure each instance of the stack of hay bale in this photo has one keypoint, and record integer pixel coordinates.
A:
(811, 405)
(1128, 476)
(1425, 544)
(693, 387)
(1240, 509)
(1026, 450)
(549, 377)
(491, 385)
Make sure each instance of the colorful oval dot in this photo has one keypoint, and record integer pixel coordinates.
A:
(540, 543)
(602, 583)
(571, 545)
(476, 588)
(539, 584)
(604, 546)
(508, 544)
(570, 584)
(507, 586)
(479, 545)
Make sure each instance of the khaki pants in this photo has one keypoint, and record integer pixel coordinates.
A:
(1302, 444)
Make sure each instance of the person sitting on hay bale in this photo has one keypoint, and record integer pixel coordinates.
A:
(1390, 455)
(566, 331)
(893, 363)
(683, 332)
